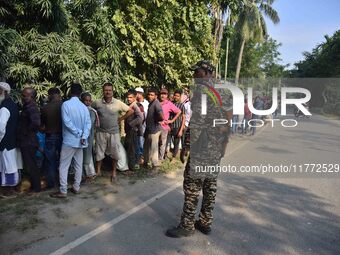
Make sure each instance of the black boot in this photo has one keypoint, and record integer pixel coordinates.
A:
(201, 228)
(179, 232)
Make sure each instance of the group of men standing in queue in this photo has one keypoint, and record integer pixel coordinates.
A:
(74, 127)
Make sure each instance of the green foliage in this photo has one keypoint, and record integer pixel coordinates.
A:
(328, 108)
(129, 43)
(7, 38)
(53, 58)
(259, 60)
(86, 50)
(42, 15)
(322, 62)
(161, 39)
(251, 25)
(337, 109)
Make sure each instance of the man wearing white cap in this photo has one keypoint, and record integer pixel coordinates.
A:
(9, 114)
(145, 104)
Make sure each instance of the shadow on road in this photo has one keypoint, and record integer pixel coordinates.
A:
(253, 215)
(263, 216)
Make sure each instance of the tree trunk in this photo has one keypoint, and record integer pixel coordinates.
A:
(325, 101)
(239, 62)
(217, 27)
(220, 32)
(227, 49)
(220, 73)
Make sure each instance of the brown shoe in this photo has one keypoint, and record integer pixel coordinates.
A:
(58, 195)
(74, 191)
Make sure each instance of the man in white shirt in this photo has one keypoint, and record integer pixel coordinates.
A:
(76, 129)
(9, 115)
(145, 103)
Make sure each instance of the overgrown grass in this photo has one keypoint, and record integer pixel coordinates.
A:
(169, 166)
(318, 110)
(166, 167)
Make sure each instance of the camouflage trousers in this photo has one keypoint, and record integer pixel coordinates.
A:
(192, 188)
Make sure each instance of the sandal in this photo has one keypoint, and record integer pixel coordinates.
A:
(113, 179)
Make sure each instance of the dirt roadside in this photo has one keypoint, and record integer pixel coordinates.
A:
(26, 220)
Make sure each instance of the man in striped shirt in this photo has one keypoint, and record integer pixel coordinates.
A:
(178, 126)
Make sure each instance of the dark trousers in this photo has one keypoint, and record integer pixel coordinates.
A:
(52, 155)
(253, 124)
(130, 147)
(30, 164)
(186, 139)
(176, 140)
(245, 126)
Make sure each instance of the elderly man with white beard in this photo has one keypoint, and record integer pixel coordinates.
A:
(9, 114)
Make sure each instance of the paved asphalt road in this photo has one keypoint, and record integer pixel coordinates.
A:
(254, 214)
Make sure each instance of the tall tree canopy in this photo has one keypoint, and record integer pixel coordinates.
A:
(45, 43)
(323, 62)
(48, 43)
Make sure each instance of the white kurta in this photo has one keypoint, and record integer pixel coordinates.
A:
(10, 161)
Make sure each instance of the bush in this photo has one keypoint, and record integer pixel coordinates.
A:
(337, 109)
(328, 108)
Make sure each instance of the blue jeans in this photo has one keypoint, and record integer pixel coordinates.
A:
(139, 147)
(245, 125)
(253, 123)
(52, 153)
(234, 126)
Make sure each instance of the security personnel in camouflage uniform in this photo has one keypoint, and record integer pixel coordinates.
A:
(207, 148)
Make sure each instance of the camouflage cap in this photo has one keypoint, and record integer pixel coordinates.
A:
(203, 64)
